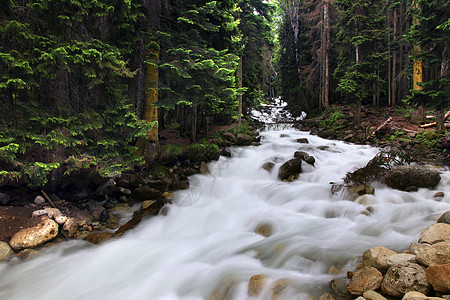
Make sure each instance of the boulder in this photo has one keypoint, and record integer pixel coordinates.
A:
(5, 251)
(302, 141)
(243, 139)
(225, 152)
(268, 166)
(376, 257)
(339, 287)
(107, 188)
(364, 279)
(445, 218)
(436, 254)
(305, 157)
(145, 192)
(70, 227)
(256, 284)
(439, 277)
(413, 295)
(372, 295)
(39, 200)
(404, 177)
(98, 238)
(326, 296)
(399, 280)
(284, 135)
(4, 198)
(279, 287)
(45, 231)
(98, 211)
(360, 190)
(265, 229)
(436, 233)
(401, 259)
(292, 167)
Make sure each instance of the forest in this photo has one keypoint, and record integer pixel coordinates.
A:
(90, 83)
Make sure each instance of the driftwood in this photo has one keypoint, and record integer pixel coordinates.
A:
(382, 126)
(48, 198)
(434, 123)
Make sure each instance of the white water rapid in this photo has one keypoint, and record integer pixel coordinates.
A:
(208, 240)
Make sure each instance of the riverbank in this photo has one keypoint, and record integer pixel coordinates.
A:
(402, 128)
(86, 206)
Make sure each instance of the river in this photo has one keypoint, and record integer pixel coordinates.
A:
(207, 240)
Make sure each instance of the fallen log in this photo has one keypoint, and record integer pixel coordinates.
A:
(434, 123)
(381, 126)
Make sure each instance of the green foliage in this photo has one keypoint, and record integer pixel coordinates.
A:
(377, 168)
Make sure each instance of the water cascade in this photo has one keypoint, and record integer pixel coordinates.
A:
(207, 241)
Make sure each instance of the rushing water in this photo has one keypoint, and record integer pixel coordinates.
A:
(208, 240)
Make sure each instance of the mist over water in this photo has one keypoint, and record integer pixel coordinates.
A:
(208, 240)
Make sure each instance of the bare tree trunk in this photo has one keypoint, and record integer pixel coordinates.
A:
(239, 75)
(194, 124)
(326, 46)
(389, 61)
(394, 65)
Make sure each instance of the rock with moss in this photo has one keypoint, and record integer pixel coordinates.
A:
(405, 177)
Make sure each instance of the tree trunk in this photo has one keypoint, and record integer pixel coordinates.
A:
(194, 124)
(389, 62)
(326, 21)
(239, 75)
(149, 147)
(418, 66)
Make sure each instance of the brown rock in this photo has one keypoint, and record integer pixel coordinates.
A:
(439, 232)
(376, 257)
(437, 254)
(404, 177)
(372, 295)
(5, 251)
(401, 259)
(268, 166)
(256, 284)
(364, 279)
(264, 229)
(278, 288)
(290, 168)
(399, 280)
(439, 277)
(326, 296)
(45, 231)
(98, 238)
(70, 227)
(445, 218)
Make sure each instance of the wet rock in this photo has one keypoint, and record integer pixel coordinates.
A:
(70, 228)
(39, 200)
(399, 280)
(146, 192)
(225, 291)
(413, 296)
(445, 218)
(364, 279)
(106, 189)
(4, 198)
(438, 196)
(302, 141)
(404, 177)
(436, 254)
(400, 259)
(279, 287)
(264, 229)
(292, 167)
(284, 135)
(98, 238)
(439, 277)
(98, 211)
(376, 257)
(6, 251)
(439, 232)
(112, 222)
(243, 139)
(326, 296)
(372, 295)
(225, 152)
(204, 168)
(27, 253)
(124, 191)
(45, 231)
(83, 194)
(305, 157)
(268, 166)
(339, 287)
(256, 284)
(360, 190)
(146, 204)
